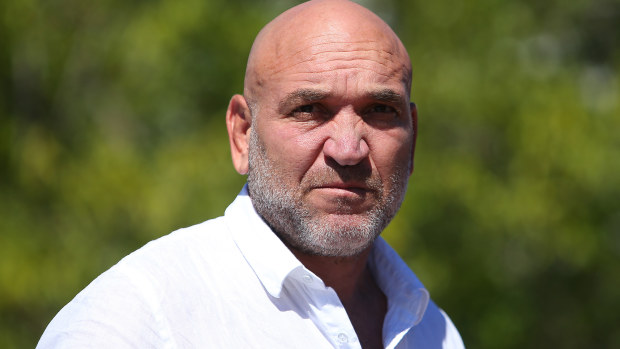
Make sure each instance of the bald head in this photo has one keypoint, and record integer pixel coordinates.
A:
(325, 129)
(306, 34)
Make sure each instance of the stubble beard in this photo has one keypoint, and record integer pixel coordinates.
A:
(303, 228)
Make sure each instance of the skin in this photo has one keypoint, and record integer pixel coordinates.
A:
(326, 120)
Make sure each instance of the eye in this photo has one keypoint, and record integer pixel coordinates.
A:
(309, 112)
(305, 109)
(382, 113)
(383, 109)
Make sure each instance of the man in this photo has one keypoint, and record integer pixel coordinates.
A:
(326, 133)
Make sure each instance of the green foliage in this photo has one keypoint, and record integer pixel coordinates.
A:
(112, 134)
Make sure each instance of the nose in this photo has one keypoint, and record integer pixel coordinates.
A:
(346, 144)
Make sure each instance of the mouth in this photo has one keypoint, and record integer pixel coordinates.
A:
(343, 188)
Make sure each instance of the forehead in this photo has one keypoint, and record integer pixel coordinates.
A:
(336, 60)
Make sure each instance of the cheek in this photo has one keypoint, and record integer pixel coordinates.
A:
(295, 150)
(391, 153)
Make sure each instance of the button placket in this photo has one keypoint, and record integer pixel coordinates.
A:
(326, 310)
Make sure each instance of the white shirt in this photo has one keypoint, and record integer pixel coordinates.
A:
(231, 283)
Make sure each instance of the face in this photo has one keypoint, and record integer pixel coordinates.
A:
(331, 144)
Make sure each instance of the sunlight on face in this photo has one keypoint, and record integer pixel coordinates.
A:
(309, 230)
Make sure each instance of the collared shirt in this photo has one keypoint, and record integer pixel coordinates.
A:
(231, 283)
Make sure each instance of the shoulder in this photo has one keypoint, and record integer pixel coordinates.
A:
(184, 253)
(124, 303)
(206, 237)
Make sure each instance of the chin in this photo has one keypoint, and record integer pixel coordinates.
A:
(337, 237)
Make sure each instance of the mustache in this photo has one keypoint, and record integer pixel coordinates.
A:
(360, 175)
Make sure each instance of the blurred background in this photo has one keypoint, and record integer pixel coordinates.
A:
(112, 134)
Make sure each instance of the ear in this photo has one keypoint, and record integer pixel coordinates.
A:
(238, 123)
(414, 123)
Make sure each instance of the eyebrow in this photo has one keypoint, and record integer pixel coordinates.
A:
(308, 95)
(301, 96)
(387, 96)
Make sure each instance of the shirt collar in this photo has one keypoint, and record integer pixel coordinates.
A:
(407, 297)
(273, 262)
(270, 259)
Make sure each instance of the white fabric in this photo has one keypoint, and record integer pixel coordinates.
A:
(231, 283)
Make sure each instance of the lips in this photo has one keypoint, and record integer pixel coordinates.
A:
(343, 189)
(342, 185)
(345, 183)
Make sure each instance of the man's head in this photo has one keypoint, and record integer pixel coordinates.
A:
(325, 130)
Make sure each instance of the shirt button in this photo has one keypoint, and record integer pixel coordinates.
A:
(342, 338)
(307, 278)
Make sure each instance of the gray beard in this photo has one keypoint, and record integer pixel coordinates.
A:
(304, 230)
